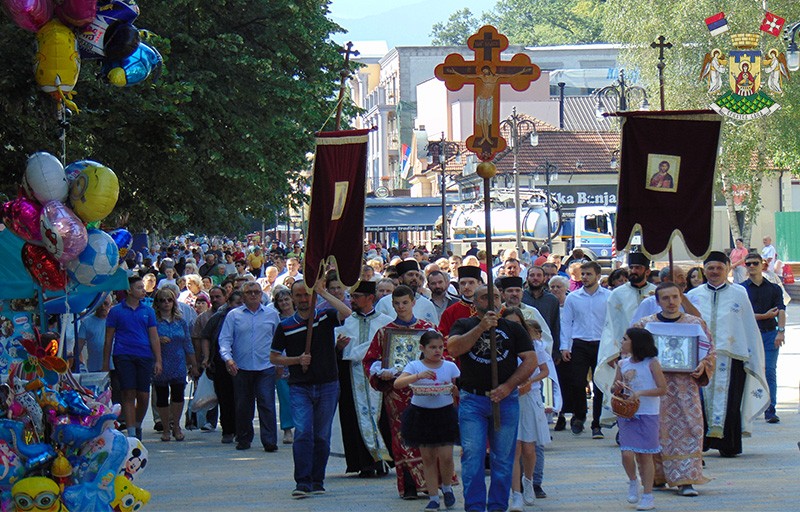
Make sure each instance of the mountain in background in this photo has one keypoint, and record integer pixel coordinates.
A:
(405, 26)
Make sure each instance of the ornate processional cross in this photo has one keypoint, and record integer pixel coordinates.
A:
(485, 73)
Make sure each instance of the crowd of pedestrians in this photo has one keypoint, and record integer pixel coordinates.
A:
(407, 356)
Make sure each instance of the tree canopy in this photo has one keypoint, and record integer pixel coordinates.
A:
(459, 26)
(220, 138)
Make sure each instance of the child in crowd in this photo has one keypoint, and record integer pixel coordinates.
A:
(533, 429)
(431, 422)
(640, 376)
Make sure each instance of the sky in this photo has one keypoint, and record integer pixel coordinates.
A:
(398, 22)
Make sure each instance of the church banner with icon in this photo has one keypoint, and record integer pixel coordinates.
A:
(336, 213)
(666, 179)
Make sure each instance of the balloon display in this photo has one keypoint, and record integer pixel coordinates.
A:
(44, 178)
(30, 15)
(94, 193)
(97, 262)
(74, 169)
(63, 233)
(43, 267)
(134, 69)
(57, 63)
(124, 240)
(22, 216)
(92, 39)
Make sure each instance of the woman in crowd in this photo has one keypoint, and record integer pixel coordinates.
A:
(617, 277)
(176, 352)
(558, 287)
(282, 302)
(694, 278)
(194, 285)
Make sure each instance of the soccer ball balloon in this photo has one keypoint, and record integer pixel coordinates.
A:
(97, 262)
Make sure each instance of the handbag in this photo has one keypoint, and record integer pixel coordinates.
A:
(204, 396)
(622, 406)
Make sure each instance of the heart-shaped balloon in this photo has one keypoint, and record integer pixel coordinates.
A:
(63, 233)
(43, 267)
(22, 216)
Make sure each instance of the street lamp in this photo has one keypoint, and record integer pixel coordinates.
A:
(550, 171)
(519, 129)
(792, 52)
(442, 150)
(623, 94)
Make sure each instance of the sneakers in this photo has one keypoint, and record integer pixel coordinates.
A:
(633, 491)
(577, 428)
(537, 489)
(432, 506)
(687, 490)
(288, 436)
(449, 499)
(647, 502)
(270, 448)
(300, 492)
(242, 446)
(528, 494)
(208, 427)
(516, 502)
(561, 424)
(227, 438)
(597, 433)
(317, 489)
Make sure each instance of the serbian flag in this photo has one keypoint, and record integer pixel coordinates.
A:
(772, 24)
(666, 179)
(717, 24)
(336, 214)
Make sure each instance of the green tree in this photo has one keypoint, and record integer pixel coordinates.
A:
(459, 26)
(549, 22)
(221, 138)
(749, 151)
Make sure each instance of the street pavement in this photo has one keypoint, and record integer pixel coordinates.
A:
(580, 473)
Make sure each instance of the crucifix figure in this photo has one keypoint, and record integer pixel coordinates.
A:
(662, 45)
(485, 73)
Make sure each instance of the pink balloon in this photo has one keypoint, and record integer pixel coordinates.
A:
(63, 233)
(76, 13)
(22, 216)
(29, 14)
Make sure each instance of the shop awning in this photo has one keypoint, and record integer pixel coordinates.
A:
(401, 218)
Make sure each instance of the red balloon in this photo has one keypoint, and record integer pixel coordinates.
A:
(43, 267)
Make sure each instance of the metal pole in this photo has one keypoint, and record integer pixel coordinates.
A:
(487, 206)
(623, 102)
(517, 205)
(547, 183)
(443, 162)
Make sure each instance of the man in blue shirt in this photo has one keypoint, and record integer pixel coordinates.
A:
(245, 342)
(131, 330)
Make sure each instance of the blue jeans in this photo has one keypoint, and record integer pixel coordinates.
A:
(538, 469)
(313, 407)
(253, 387)
(771, 366)
(476, 424)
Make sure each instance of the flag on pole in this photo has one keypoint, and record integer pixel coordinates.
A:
(336, 214)
(772, 24)
(717, 24)
(666, 179)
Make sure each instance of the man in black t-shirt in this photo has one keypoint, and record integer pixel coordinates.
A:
(313, 381)
(469, 341)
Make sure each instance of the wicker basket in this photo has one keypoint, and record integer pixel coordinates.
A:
(624, 407)
(431, 390)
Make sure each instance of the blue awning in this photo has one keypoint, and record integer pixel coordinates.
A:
(401, 218)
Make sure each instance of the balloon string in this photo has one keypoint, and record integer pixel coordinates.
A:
(63, 124)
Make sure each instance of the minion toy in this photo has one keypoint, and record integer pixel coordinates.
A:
(128, 497)
(37, 494)
(57, 63)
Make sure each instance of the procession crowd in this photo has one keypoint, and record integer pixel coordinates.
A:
(422, 355)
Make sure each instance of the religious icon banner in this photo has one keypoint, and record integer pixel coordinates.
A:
(666, 179)
(336, 213)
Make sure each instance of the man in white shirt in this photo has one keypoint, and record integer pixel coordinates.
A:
(769, 254)
(582, 322)
(410, 275)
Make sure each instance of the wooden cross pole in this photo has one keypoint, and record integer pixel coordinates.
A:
(486, 72)
(344, 74)
(662, 45)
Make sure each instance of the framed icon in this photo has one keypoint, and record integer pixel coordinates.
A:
(677, 353)
(662, 173)
(401, 347)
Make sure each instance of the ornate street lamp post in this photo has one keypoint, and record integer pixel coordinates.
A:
(442, 150)
(622, 94)
(550, 171)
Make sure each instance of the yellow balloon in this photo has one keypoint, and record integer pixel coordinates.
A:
(94, 193)
(57, 63)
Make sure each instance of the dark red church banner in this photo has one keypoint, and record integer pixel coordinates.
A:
(666, 179)
(336, 214)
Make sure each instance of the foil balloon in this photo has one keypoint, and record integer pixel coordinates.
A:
(94, 193)
(135, 460)
(97, 262)
(34, 455)
(57, 63)
(26, 405)
(127, 496)
(37, 494)
(144, 62)
(44, 268)
(94, 38)
(63, 233)
(44, 178)
(76, 13)
(22, 216)
(30, 15)
(74, 435)
(74, 169)
(11, 466)
(96, 471)
(124, 240)
(122, 39)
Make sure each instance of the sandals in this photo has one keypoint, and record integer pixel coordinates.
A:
(178, 434)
